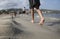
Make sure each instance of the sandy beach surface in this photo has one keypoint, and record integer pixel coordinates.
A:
(20, 27)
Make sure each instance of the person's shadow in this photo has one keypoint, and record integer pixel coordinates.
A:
(17, 29)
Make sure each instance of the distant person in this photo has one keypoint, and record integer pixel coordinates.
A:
(15, 14)
(24, 10)
(34, 4)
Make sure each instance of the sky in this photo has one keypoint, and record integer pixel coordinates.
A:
(45, 4)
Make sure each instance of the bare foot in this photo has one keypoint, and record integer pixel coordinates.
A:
(32, 21)
(42, 21)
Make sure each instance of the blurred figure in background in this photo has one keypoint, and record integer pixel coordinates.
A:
(24, 10)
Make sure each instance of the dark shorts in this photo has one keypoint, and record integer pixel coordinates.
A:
(24, 11)
(34, 4)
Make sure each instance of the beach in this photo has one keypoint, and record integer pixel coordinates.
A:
(20, 27)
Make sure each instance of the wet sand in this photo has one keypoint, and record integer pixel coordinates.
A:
(20, 27)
